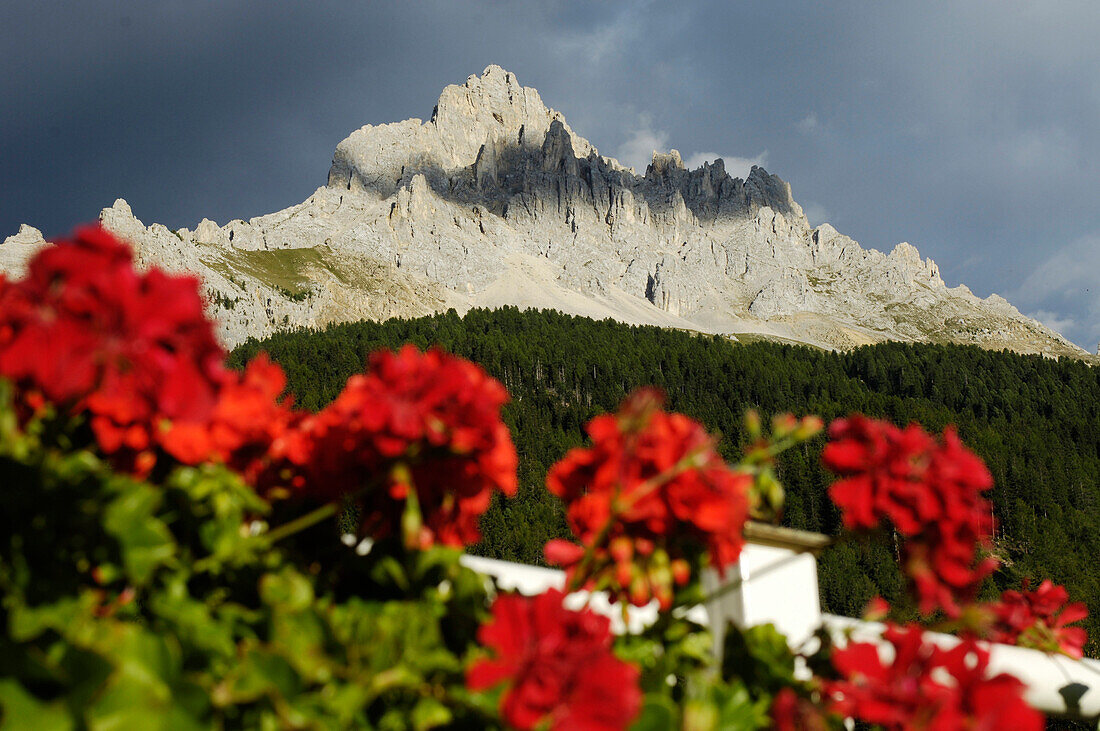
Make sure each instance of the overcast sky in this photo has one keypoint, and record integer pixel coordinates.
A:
(969, 128)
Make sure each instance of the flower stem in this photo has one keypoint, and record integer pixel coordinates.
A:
(302, 522)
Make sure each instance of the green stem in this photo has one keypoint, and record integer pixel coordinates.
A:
(412, 520)
(302, 522)
(772, 451)
(313, 517)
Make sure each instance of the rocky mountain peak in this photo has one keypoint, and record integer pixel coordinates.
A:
(771, 190)
(491, 139)
(492, 110)
(495, 200)
(494, 102)
(665, 164)
(18, 248)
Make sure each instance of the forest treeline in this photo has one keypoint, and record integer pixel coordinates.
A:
(1034, 420)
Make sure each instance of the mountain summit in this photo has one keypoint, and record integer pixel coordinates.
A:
(496, 201)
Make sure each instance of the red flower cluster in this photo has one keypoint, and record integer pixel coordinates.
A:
(246, 427)
(929, 491)
(428, 427)
(558, 664)
(925, 687)
(90, 333)
(650, 490)
(1038, 619)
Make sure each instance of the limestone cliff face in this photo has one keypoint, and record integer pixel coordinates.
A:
(495, 200)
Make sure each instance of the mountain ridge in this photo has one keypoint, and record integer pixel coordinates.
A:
(496, 200)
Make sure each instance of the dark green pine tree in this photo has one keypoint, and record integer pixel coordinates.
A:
(1033, 420)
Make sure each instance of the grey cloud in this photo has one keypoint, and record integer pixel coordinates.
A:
(735, 165)
(637, 150)
(968, 129)
(1064, 291)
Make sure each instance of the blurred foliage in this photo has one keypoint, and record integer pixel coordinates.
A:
(133, 605)
(163, 604)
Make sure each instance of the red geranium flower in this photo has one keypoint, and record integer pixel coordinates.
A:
(944, 566)
(247, 420)
(928, 490)
(657, 477)
(558, 664)
(1038, 619)
(987, 703)
(91, 333)
(899, 694)
(903, 477)
(882, 467)
(426, 426)
(924, 687)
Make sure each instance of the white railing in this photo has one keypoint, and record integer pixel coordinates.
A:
(778, 585)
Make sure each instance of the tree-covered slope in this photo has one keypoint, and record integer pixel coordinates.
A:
(1034, 421)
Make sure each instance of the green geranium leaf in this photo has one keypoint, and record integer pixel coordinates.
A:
(259, 673)
(737, 708)
(129, 703)
(28, 623)
(760, 657)
(658, 713)
(20, 711)
(429, 713)
(287, 591)
(145, 540)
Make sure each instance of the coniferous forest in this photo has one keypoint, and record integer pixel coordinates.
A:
(1034, 420)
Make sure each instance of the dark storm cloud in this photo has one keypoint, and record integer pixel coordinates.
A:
(969, 129)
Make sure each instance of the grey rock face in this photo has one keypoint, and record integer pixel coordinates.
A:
(495, 200)
(18, 248)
